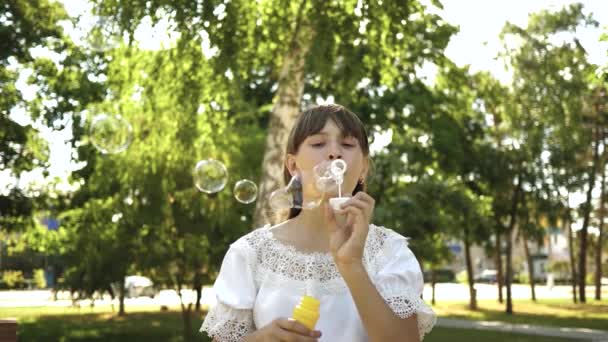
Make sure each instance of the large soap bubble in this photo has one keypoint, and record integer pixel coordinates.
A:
(210, 176)
(291, 196)
(328, 177)
(110, 133)
(245, 191)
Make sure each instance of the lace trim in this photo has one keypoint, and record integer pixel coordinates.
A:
(227, 324)
(281, 258)
(405, 306)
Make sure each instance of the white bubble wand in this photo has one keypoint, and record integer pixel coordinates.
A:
(337, 170)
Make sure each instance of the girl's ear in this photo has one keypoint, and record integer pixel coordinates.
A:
(290, 163)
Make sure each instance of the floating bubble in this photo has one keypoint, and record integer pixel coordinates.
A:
(291, 196)
(104, 36)
(245, 191)
(110, 133)
(210, 176)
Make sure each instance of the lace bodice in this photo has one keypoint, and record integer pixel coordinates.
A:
(258, 266)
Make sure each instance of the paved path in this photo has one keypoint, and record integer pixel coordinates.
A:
(580, 334)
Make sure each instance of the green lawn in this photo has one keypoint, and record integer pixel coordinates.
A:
(149, 324)
(465, 335)
(51, 324)
(558, 312)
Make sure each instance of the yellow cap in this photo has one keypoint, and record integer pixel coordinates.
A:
(307, 312)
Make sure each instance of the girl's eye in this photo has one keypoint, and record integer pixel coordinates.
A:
(348, 144)
(319, 144)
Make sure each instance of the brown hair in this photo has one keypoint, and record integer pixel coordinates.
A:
(312, 122)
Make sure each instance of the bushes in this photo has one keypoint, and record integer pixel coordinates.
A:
(13, 279)
(461, 277)
(38, 279)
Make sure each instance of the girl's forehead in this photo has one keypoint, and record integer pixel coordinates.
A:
(331, 127)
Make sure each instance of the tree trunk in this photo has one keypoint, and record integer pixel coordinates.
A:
(530, 266)
(499, 275)
(186, 314)
(187, 318)
(467, 255)
(568, 224)
(198, 287)
(598, 248)
(509, 235)
(433, 282)
(121, 298)
(582, 255)
(285, 110)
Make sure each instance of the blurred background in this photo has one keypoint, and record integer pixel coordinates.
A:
(139, 139)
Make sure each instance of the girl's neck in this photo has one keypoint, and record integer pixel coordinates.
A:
(311, 226)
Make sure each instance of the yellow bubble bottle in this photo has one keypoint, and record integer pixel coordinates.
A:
(307, 312)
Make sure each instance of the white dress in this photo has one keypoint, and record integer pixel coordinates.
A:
(262, 279)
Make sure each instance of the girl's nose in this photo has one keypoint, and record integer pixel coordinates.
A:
(335, 152)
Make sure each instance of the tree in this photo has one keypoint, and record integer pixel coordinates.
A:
(550, 82)
(328, 46)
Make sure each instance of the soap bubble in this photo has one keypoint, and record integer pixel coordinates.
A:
(104, 35)
(245, 191)
(291, 196)
(329, 174)
(326, 175)
(210, 176)
(110, 133)
(338, 168)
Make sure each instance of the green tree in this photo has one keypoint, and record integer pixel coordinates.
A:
(551, 84)
(327, 46)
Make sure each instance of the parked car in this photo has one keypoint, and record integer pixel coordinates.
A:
(441, 276)
(487, 276)
(139, 286)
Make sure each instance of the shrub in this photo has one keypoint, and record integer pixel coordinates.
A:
(39, 280)
(461, 277)
(13, 279)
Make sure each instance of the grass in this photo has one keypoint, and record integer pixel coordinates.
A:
(148, 323)
(101, 324)
(549, 312)
(454, 335)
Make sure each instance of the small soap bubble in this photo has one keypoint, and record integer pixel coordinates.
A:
(104, 35)
(291, 196)
(210, 176)
(245, 191)
(110, 133)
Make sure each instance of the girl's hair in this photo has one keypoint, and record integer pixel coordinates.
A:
(312, 122)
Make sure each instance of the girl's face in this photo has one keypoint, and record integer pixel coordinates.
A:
(328, 144)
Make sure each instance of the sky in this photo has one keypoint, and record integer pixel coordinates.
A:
(481, 21)
(476, 44)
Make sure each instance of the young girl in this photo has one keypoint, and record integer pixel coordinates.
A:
(368, 281)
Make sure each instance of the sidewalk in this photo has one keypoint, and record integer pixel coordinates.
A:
(582, 334)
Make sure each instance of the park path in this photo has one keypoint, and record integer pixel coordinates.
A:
(580, 334)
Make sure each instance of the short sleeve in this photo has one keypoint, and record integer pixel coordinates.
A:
(232, 317)
(400, 283)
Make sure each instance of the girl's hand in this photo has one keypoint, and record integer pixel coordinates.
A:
(347, 240)
(284, 330)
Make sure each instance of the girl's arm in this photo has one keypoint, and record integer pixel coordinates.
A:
(347, 243)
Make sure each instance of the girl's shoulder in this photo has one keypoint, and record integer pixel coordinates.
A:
(254, 239)
(382, 237)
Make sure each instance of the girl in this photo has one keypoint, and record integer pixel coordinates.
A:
(368, 281)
